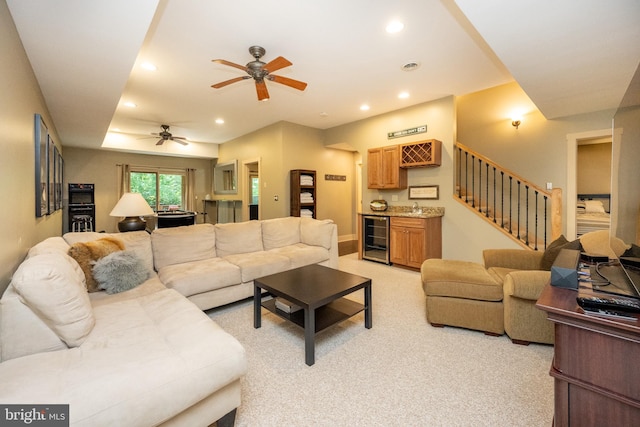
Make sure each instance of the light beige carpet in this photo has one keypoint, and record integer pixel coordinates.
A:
(402, 372)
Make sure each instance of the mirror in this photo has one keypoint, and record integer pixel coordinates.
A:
(225, 178)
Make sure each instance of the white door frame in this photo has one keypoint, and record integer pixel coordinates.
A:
(572, 172)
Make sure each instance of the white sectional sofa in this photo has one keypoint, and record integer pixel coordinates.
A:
(146, 356)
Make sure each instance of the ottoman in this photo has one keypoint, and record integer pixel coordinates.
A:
(462, 294)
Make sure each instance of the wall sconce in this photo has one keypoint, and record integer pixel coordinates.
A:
(515, 122)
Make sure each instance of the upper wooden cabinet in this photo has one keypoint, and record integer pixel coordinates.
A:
(383, 168)
(421, 154)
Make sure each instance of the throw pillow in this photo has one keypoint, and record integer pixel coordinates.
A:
(87, 253)
(52, 287)
(599, 243)
(554, 248)
(119, 271)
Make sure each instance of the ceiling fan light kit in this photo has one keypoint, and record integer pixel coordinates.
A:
(259, 71)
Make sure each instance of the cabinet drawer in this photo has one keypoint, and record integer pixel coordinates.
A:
(407, 222)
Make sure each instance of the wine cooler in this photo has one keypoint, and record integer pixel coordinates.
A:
(375, 238)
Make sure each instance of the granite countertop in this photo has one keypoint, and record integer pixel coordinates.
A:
(406, 211)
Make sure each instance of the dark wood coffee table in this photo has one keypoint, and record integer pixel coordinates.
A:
(319, 291)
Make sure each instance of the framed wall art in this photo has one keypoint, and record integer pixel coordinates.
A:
(424, 192)
(51, 169)
(57, 179)
(41, 173)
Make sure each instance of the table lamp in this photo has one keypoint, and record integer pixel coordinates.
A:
(132, 206)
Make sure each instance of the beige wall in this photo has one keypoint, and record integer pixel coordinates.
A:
(99, 167)
(20, 100)
(464, 234)
(594, 169)
(285, 146)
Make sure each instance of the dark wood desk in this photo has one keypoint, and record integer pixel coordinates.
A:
(596, 364)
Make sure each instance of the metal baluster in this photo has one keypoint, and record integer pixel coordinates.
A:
(494, 195)
(510, 205)
(473, 181)
(479, 185)
(526, 215)
(535, 243)
(518, 210)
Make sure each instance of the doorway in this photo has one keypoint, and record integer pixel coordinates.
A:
(576, 173)
(251, 193)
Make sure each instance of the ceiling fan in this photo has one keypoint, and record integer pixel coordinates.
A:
(165, 135)
(260, 71)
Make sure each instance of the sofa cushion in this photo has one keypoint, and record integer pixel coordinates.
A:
(87, 253)
(459, 279)
(146, 360)
(187, 243)
(279, 232)
(316, 232)
(51, 285)
(22, 331)
(300, 254)
(196, 277)
(49, 246)
(119, 271)
(238, 238)
(259, 264)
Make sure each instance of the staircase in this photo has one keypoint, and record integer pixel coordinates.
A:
(528, 214)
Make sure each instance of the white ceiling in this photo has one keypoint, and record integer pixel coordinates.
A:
(570, 57)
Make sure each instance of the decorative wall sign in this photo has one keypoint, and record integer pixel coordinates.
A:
(424, 192)
(407, 132)
(328, 177)
(51, 169)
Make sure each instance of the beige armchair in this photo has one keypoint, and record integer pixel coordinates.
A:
(523, 277)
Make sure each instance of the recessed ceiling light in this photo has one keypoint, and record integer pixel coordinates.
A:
(394, 27)
(364, 107)
(130, 104)
(410, 66)
(149, 66)
(324, 114)
(220, 121)
(403, 95)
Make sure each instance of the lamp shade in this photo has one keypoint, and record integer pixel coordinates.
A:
(132, 204)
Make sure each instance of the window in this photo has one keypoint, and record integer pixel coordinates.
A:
(162, 189)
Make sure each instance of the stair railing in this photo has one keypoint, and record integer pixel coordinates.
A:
(529, 214)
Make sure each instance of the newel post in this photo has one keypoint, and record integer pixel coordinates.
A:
(556, 213)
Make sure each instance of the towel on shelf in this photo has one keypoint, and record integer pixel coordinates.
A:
(306, 180)
(306, 197)
(306, 213)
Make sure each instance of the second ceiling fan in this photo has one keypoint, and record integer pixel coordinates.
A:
(260, 71)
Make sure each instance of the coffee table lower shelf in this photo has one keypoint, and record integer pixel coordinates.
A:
(327, 315)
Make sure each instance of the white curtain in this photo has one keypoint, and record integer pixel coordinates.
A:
(190, 191)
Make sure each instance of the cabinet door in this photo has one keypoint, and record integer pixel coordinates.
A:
(374, 168)
(398, 245)
(415, 246)
(390, 167)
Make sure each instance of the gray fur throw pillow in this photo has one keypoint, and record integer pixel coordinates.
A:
(119, 271)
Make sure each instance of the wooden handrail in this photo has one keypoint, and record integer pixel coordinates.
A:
(479, 199)
(503, 169)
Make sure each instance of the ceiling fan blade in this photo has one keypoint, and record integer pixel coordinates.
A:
(277, 64)
(261, 88)
(230, 64)
(228, 82)
(296, 84)
(180, 141)
(160, 141)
